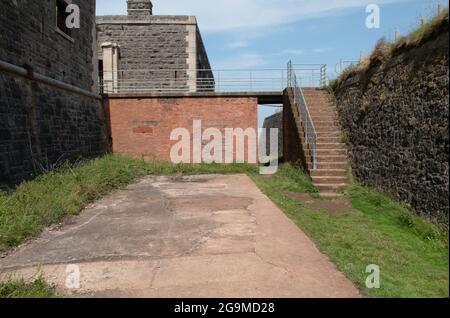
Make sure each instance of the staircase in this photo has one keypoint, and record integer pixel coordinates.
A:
(330, 173)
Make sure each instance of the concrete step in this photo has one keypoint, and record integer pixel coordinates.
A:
(329, 139)
(329, 115)
(314, 110)
(329, 188)
(323, 111)
(328, 123)
(315, 119)
(320, 104)
(331, 152)
(329, 179)
(315, 97)
(322, 146)
(322, 117)
(329, 158)
(328, 173)
(328, 134)
(329, 166)
(327, 129)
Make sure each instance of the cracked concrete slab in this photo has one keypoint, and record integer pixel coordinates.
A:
(192, 236)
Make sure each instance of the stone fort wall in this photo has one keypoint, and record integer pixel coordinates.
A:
(170, 46)
(42, 124)
(396, 117)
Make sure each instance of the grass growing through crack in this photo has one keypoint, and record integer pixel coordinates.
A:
(412, 252)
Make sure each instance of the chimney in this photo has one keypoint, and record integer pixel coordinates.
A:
(140, 9)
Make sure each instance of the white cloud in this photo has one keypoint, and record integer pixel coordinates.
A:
(220, 15)
(238, 44)
(241, 61)
(321, 50)
(292, 52)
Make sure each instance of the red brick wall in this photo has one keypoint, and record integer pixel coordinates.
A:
(142, 127)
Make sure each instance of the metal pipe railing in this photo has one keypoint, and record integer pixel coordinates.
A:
(223, 80)
(310, 133)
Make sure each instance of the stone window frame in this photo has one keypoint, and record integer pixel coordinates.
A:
(58, 30)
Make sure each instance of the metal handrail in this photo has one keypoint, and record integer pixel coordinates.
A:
(318, 74)
(219, 80)
(309, 129)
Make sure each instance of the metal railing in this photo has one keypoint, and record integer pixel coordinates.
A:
(206, 80)
(311, 75)
(309, 130)
(343, 64)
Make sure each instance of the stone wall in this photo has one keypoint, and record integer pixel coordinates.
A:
(170, 46)
(29, 38)
(41, 124)
(141, 127)
(159, 42)
(396, 118)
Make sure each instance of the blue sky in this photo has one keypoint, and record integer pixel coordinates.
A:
(267, 33)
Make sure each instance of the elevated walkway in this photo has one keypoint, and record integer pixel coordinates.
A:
(275, 97)
(311, 131)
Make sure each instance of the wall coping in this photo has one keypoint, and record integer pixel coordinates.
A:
(162, 19)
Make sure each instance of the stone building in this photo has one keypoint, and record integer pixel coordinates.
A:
(146, 52)
(50, 110)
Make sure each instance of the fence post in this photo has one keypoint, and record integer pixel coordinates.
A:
(218, 80)
(306, 131)
(289, 73)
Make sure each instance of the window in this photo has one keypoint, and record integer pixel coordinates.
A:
(61, 17)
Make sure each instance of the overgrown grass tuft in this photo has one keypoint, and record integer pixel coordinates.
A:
(422, 33)
(38, 288)
(384, 50)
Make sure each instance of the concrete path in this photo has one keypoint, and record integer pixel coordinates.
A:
(199, 236)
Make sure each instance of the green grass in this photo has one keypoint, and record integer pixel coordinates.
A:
(65, 191)
(411, 252)
(38, 288)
